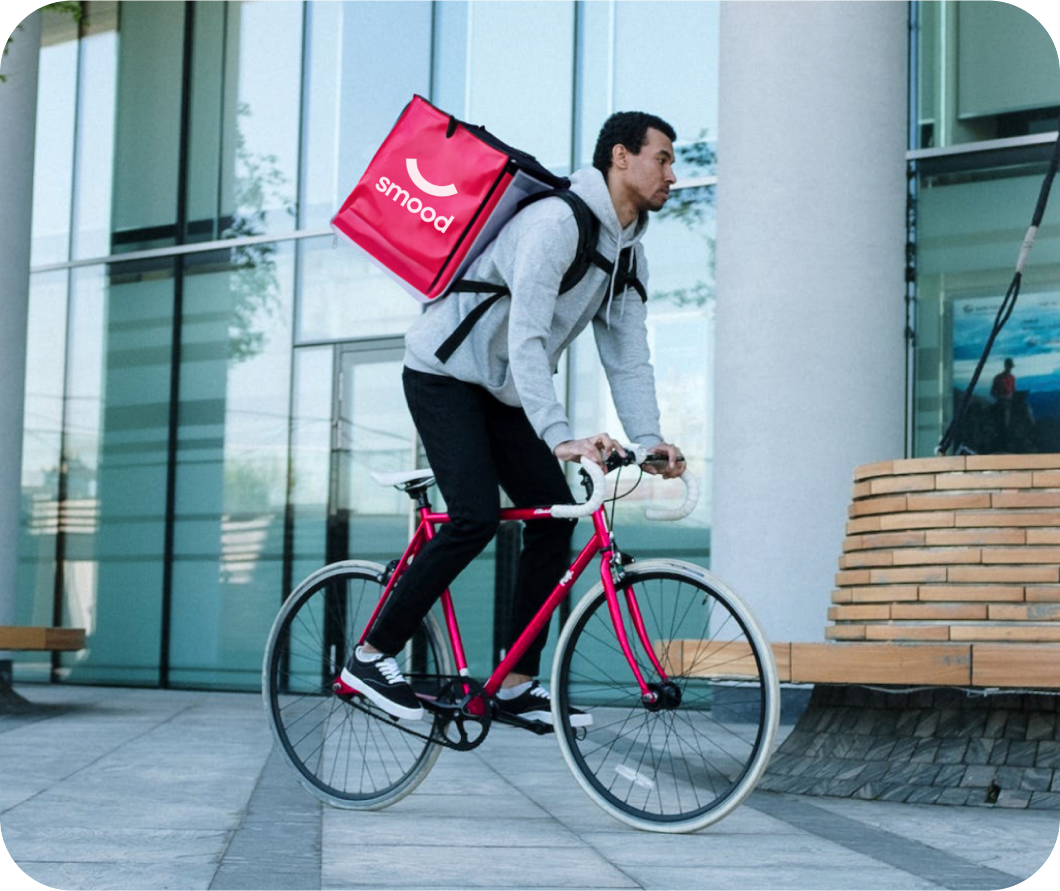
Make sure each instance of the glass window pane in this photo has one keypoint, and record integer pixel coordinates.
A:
(41, 448)
(310, 459)
(679, 248)
(96, 106)
(985, 71)
(505, 85)
(53, 166)
(969, 229)
(231, 462)
(619, 70)
(343, 295)
(147, 128)
(364, 63)
(246, 94)
(114, 468)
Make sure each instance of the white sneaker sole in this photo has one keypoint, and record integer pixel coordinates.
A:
(546, 718)
(391, 708)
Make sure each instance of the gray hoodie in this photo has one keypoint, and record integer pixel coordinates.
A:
(514, 349)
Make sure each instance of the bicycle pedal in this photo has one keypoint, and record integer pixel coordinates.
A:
(341, 688)
(538, 727)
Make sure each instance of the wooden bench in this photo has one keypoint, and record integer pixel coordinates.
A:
(28, 637)
(949, 576)
(24, 638)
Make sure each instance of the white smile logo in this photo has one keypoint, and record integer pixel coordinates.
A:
(425, 184)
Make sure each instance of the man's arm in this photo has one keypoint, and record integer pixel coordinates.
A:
(622, 342)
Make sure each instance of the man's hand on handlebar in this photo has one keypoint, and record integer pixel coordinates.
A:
(665, 460)
(596, 448)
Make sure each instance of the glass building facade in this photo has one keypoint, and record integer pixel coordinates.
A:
(211, 380)
(986, 99)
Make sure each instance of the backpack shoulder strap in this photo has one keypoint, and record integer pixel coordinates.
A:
(588, 232)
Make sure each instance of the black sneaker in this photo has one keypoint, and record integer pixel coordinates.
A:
(535, 704)
(381, 682)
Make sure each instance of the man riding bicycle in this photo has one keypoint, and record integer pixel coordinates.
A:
(488, 414)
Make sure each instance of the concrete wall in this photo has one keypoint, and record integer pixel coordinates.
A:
(18, 110)
(810, 369)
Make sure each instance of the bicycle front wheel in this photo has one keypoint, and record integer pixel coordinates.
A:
(688, 758)
(346, 756)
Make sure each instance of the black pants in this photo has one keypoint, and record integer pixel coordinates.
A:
(475, 443)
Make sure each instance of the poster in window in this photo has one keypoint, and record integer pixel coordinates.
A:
(1016, 402)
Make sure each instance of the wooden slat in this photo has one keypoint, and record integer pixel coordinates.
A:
(719, 659)
(945, 558)
(881, 663)
(27, 637)
(1011, 462)
(987, 479)
(930, 465)
(1016, 665)
(949, 501)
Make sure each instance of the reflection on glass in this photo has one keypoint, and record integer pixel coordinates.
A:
(679, 249)
(350, 103)
(373, 434)
(54, 143)
(310, 458)
(969, 228)
(623, 48)
(232, 462)
(245, 97)
(112, 476)
(94, 157)
(508, 86)
(147, 126)
(342, 295)
(984, 71)
(41, 448)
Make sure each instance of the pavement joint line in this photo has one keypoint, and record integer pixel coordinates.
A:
(563, 822)
(309, 840)
(923, 861)
(102, 755)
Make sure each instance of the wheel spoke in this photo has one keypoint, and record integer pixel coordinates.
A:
(687, 758)
(345, 755)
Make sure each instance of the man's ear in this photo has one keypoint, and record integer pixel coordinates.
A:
(619, 156)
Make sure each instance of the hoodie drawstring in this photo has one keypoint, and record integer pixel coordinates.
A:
(611, 285)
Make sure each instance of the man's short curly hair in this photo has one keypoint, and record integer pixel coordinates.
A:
(628, 128)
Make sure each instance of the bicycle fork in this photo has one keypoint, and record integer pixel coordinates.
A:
(661, 694)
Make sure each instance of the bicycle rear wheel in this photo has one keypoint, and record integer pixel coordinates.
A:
(346, 756)
(688, 759)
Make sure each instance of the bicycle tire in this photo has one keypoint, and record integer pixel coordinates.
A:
(346, 756)
(686, 764)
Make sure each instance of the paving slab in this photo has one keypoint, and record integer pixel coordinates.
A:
(146, 789)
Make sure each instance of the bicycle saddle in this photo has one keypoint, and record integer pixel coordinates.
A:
(405, 478)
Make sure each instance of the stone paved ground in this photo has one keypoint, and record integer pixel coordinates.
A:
(117, 788)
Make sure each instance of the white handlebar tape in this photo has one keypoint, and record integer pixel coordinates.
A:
(687, 506)
(571, 511)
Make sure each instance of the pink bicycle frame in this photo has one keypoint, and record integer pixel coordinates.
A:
(599, 544)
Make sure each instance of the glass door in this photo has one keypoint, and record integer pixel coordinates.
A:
(371, 432)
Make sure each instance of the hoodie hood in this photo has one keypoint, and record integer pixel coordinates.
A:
(591, 186)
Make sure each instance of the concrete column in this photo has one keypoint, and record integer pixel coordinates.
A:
(18, 112)
(810, 371)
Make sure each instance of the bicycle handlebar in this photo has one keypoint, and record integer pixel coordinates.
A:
(573, 511)
(635, 454)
